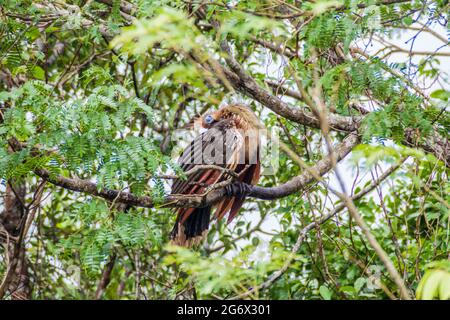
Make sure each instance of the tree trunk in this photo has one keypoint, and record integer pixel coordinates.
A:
(15, 283)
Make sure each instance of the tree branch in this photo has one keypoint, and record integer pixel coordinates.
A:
(245, 84)
(294, 185)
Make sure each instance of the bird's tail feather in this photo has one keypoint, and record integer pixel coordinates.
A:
(193, 229)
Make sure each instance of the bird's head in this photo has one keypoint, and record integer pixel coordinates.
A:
(242, 115)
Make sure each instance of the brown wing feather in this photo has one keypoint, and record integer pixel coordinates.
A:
(251, 176)
(192, 156)
(209, 177)
(223, 207)
(248, 173)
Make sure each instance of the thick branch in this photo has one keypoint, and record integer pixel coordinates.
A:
(125, 7)
(434, 143)
(245, 84)
(194, 201)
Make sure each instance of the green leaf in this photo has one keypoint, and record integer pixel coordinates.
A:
(347, 289)
(435, 283)
(359, 283)
(38, 73)
(440, 94)
(325, 292)
(408, 20)
(429, 286)
(322, 6)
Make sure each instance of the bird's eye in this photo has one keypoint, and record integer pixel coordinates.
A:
(209, 119)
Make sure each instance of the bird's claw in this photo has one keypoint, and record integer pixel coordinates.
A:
(238, 189)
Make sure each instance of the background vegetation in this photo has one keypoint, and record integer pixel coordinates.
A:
(92, 92)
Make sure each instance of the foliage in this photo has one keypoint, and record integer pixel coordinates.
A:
(436, 282)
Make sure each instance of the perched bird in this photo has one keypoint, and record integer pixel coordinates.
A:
(232, 142)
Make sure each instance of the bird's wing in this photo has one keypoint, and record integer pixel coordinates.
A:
(219, 146)
(249, 173)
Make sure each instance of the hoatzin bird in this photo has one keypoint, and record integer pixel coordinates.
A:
(231, 141)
